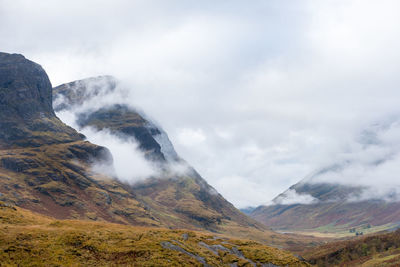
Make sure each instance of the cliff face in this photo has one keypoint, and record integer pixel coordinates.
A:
(26, 114)
(25, 88)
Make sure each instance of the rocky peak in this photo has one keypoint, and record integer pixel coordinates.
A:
(25, 89)
(27, 117)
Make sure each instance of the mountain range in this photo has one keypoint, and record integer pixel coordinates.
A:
(48, 177)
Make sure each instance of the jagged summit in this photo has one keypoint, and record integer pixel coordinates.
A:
(26, 114)
(25, 87)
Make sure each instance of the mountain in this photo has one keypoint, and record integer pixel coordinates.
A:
(328, 208)
(177, 199)
(45, 165)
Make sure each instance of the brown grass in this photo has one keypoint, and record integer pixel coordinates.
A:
(29, 239)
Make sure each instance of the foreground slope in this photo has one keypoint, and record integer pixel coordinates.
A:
(27, 238)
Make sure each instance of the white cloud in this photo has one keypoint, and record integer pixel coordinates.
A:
(129, 163)
(191, 137)
(290, 197)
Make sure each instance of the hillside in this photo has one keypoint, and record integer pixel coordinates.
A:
(28, 238)
(332, 211)
(374, 250)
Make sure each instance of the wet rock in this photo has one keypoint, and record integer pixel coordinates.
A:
(169, 245)
(185, 236)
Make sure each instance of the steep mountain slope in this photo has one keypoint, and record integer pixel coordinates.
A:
(328, 208)
(179, 198)
(27, 238)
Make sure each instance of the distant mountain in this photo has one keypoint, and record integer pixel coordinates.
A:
(248, 210)
(327, 208)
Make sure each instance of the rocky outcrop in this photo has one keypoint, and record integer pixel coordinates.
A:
(26, 114)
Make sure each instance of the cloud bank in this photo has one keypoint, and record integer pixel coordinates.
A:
(255, 96)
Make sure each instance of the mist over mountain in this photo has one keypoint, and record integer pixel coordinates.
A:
(360, 187)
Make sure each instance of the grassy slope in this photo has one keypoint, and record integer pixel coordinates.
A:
(30, 239)
(372, 250)
(57, 180)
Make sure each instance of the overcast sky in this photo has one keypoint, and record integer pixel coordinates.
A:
(255, 95)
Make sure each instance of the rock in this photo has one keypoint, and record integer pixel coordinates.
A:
(26, 114)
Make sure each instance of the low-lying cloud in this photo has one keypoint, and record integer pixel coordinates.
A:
(290, 197)
(129, 163)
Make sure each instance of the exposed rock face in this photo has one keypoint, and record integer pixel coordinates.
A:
(26, 114)
(25, 87)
